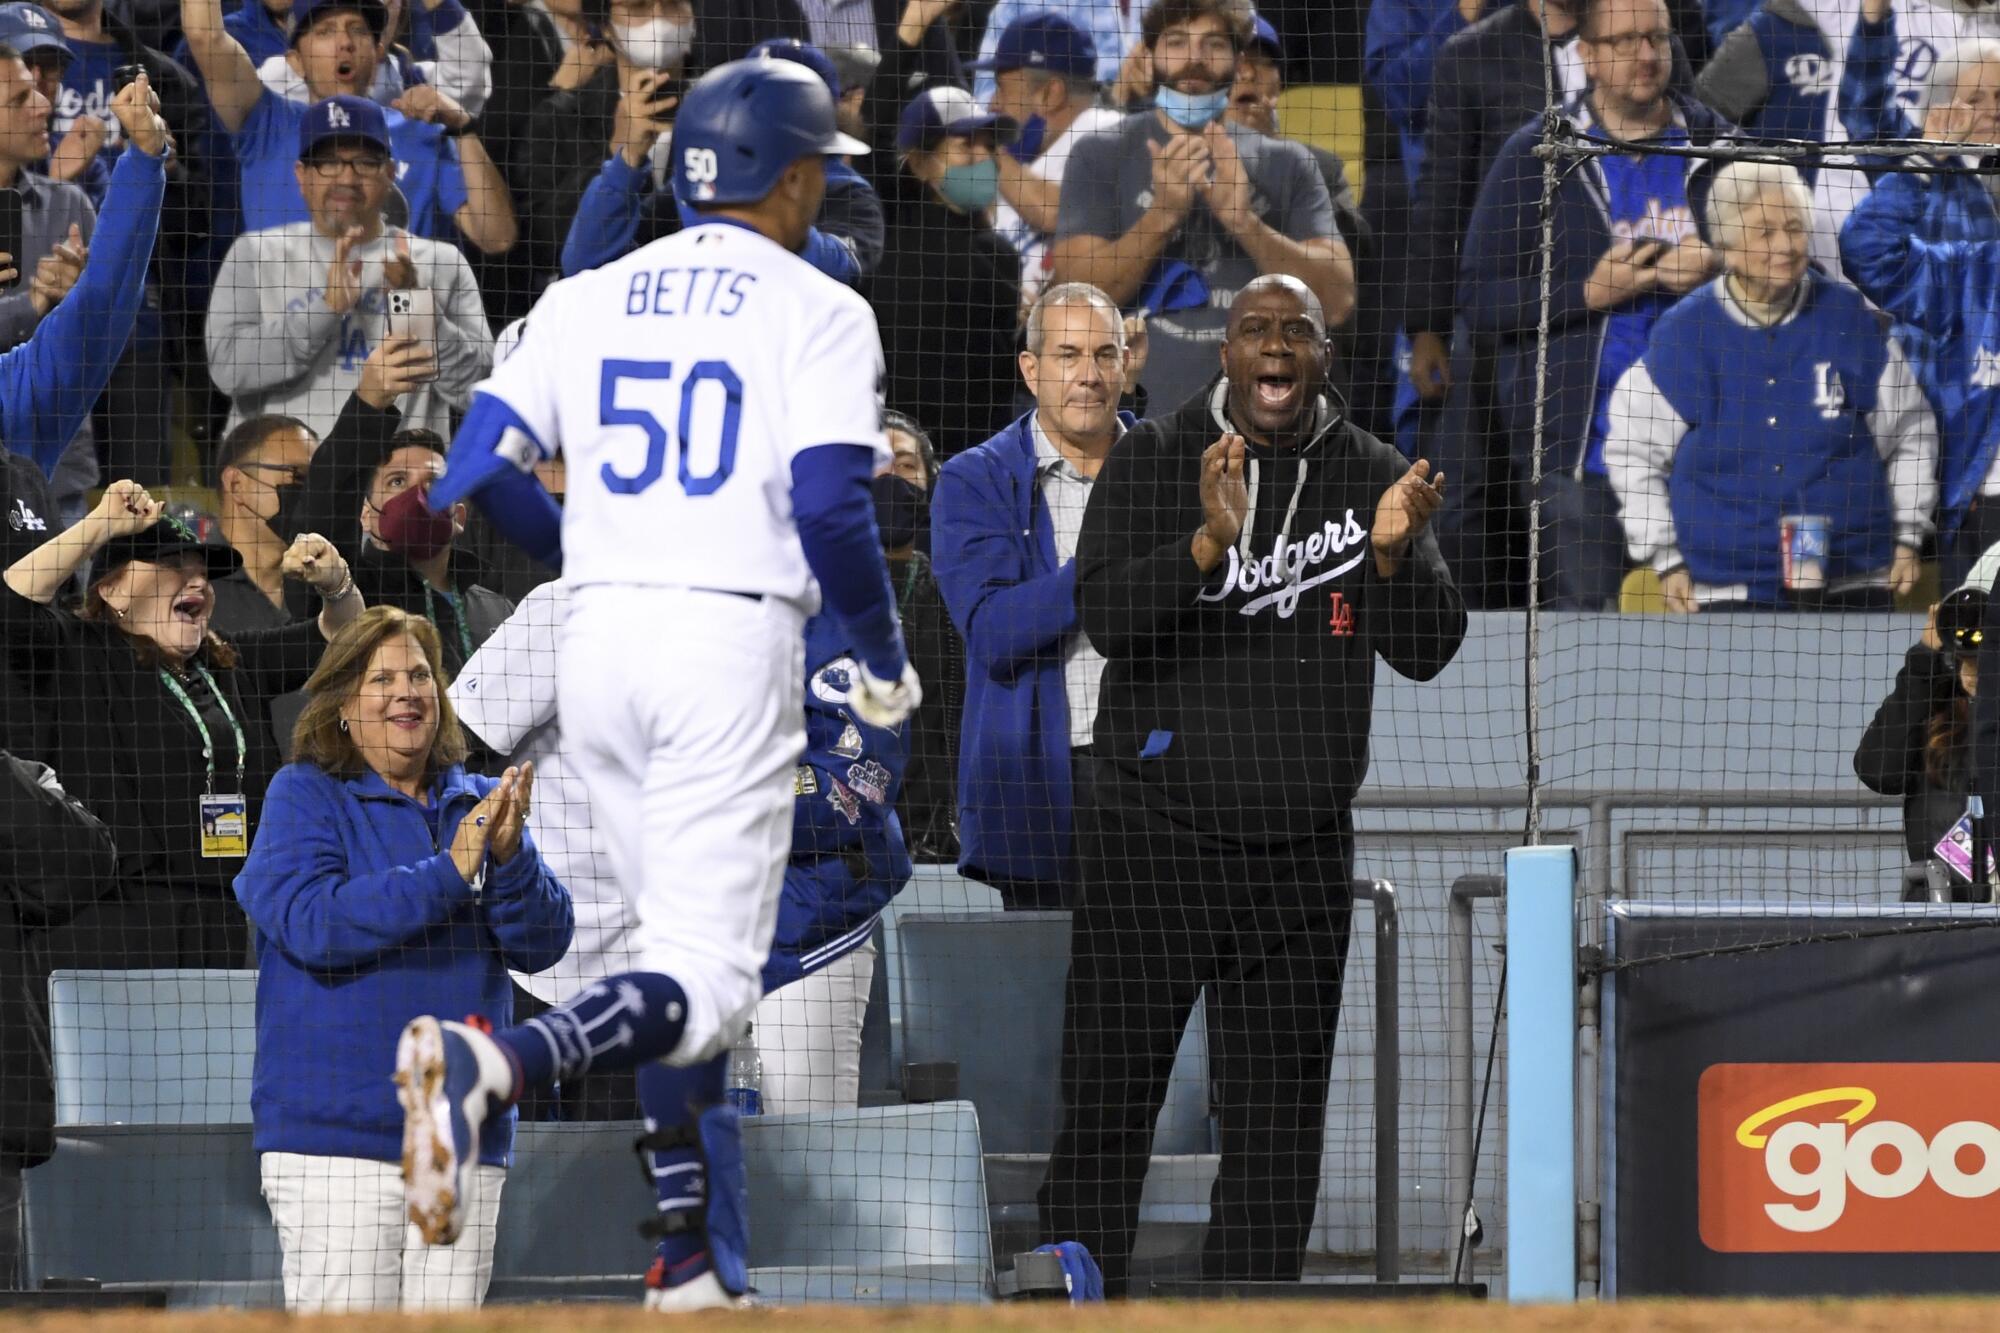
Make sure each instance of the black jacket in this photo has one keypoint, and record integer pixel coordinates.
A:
(55, 859)
(928, 802)
(330, 504)
(128, 750)
(27, 519)
(947, 298)
(1237, 703)
(1486, 84)
(1890, 758)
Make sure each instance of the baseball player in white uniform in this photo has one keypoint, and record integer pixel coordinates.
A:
(717, 403)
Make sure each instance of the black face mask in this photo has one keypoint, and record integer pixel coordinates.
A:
(284, 523)
(900, 507)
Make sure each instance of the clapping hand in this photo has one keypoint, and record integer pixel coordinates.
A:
(58, 272)
(480, 832)
(513, 814)
(1403, 514)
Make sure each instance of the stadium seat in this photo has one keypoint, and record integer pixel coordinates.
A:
(873, 1205)
(1640, 595)
(152, 1047)
(985, 991)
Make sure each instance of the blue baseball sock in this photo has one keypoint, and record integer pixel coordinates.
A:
(672, 1099)
(622, 1022)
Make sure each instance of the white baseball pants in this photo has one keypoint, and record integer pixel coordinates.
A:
(685, 713)
(348, 1244)
(809, 1035)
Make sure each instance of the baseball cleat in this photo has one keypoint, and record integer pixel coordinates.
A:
(449, 1077)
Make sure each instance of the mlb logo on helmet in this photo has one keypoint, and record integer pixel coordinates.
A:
(1849, 1158)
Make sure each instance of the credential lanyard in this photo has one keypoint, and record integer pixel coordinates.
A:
(208, 741)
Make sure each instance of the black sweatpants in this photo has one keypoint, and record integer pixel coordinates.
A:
(1162, 916)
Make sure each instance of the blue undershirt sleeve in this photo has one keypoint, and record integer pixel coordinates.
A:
(835, 511)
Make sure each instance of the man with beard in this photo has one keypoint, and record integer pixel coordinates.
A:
(1177, 210)
(1242, 564)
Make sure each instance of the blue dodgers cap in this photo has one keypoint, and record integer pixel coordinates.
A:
(945, 109)
(343, 116)
(805, 53)
(305, 13)
(1043, 40)
(28, 27)
(1262, 34)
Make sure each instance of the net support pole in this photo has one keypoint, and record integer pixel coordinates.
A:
(1541, 1074)
(1388, 1079)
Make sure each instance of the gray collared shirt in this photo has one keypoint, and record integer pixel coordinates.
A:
(1066, 491)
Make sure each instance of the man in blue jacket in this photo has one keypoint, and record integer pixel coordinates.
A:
(1004, 528)
(1625, 249)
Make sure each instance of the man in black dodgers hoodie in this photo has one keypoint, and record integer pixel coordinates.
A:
(1242, 563)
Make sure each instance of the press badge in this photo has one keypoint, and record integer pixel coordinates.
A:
(225, 826)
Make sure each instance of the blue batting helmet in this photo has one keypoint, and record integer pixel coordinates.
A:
(739, 128)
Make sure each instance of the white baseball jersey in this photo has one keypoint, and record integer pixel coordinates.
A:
(506, 696)
(679, 383)
(1924, 31)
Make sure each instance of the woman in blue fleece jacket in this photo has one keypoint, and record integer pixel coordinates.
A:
(385, 882)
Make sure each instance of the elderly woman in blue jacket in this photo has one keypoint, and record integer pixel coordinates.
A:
(385, 882)
(1773, 391)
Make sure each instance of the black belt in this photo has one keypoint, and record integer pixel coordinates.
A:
(733, 592)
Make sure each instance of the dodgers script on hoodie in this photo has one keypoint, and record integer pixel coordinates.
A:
(1239, 702)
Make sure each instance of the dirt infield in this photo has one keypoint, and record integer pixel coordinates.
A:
(1902, 1316)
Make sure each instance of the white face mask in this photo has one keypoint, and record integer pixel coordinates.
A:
(656, 44)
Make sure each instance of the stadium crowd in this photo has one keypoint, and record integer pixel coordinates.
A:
(297, 235)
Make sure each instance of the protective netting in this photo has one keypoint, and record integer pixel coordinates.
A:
(1166, 921)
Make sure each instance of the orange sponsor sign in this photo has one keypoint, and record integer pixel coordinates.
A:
(1850, 1158)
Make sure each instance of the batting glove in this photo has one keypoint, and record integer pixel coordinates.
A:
(884, 703)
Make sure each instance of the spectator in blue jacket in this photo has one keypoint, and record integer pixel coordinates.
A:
(1401, 45)
(1005, 524)
(385, 882)
(1625, 249)
(1920, 245)
(1772, 391)
(1773, 75)
(623, 208)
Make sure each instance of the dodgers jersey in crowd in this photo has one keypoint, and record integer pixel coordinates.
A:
(679, 383)
(1924, 30)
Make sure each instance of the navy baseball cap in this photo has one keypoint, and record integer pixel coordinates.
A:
(343, 116)
(1043, 40)
(28, 27)
(805, 53)
(305, 13)
(944, 109)
(1262, 34)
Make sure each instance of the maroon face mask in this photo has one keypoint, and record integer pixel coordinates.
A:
(410, 529)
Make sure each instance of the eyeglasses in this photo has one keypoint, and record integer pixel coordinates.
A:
(1628, 43)
(326, 168)
(295, 475)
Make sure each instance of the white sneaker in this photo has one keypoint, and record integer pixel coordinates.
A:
(703, 1293)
